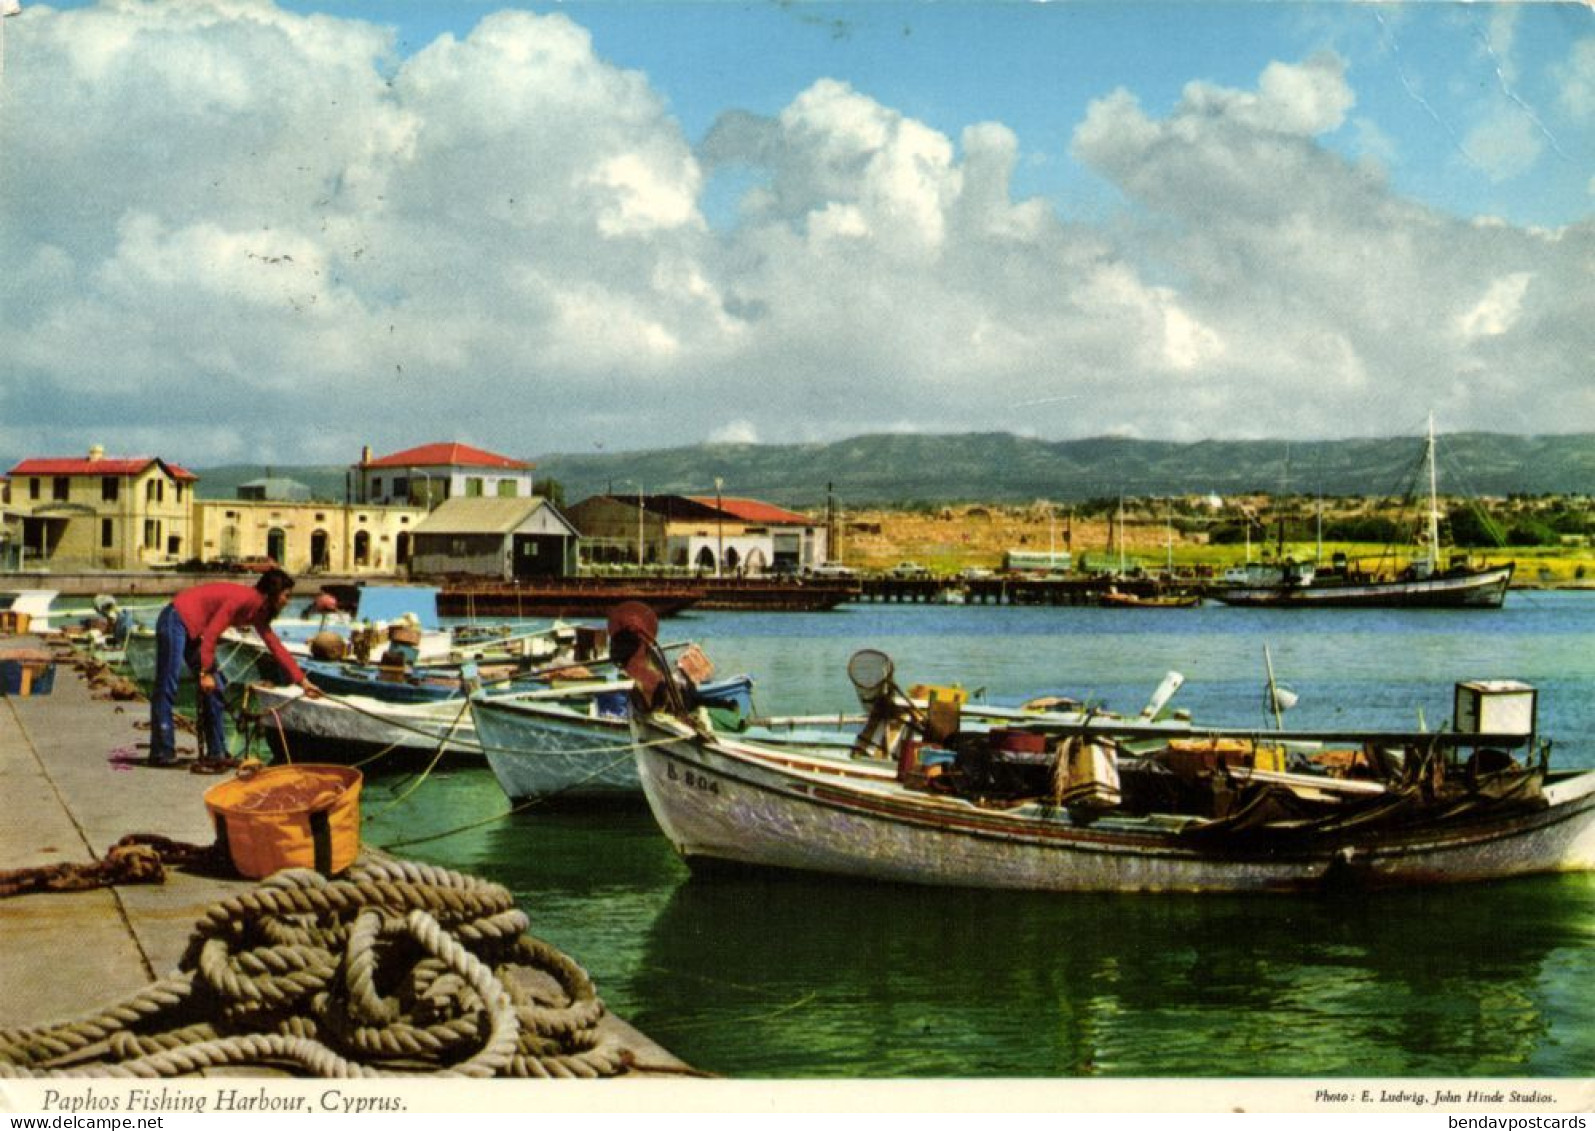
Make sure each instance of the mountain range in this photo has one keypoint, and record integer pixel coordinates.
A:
(1005, 468)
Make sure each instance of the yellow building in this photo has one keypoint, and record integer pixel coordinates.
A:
(307, 537)
(101, 513)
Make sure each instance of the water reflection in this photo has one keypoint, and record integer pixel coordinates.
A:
(790, 975)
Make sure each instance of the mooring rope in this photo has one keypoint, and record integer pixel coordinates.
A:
(395, 969)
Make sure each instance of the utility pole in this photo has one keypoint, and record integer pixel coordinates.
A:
(719, 526)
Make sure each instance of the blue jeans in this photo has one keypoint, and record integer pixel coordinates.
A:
(173, 648)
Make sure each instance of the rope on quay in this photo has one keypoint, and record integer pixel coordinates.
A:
(394, 969)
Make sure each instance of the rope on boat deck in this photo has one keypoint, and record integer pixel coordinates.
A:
(396, 969)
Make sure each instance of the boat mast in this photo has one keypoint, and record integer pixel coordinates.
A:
(1434, 504)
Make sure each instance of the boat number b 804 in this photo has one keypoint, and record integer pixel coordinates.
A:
(692, 780)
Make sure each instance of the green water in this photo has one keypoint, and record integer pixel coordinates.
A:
(758, 976)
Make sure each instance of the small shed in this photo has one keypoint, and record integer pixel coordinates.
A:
(505, 538)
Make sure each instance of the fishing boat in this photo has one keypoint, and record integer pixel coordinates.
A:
(348, 729)
(26, 610)
(1422, 583)
(399, 713)
(1122, 806)
(1114, 599)
(574, 741)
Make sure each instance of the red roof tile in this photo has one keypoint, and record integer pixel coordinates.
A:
(751, 510)
(447, 455)
(102, 466)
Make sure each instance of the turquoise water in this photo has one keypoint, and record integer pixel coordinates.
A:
(781, 976)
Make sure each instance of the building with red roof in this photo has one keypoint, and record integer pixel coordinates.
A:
(100, 512)
(427, 475)
(721, 536)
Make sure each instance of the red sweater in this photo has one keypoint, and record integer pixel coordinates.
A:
(209, 610)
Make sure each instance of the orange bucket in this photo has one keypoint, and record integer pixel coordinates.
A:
(295, 816)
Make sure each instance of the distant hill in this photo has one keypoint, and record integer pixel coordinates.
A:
(1000, 467)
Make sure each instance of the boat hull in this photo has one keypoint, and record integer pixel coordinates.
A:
(1482, 590)
(350, 729)
(543, 750)
(714, 803)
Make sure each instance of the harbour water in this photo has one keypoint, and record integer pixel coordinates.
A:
(760, 976)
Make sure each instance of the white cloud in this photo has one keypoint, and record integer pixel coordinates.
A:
(1505, 144)
(735, 432)
(1500, 308)
(1575, 81)
(238, 231)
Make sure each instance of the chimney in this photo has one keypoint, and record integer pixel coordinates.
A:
(96, 453)
(365, 455)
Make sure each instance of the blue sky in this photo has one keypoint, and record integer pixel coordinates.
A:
(537, 227)
(1425, 73)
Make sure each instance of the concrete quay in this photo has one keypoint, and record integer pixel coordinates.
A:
(70, 794)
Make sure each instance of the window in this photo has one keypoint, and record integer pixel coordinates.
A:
(401, 487)
(376, 486)
(152, 533)
(508, 488)
(473, 487)
(107, 532)
(174, 545)
(155, 491)
(61, 489)
(110, 489)
(33, 489)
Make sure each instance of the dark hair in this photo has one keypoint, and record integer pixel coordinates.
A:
(275, 581)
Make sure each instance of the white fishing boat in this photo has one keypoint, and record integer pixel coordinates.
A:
(346, 729)
(28, 609)
(1230, 811)
(574, 740)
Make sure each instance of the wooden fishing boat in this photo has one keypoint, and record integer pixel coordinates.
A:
(1422, 583)
(575, 740)
(348, 729)
(1113, 599)
(1230, 811)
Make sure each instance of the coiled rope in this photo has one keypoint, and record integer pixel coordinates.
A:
(395, 969)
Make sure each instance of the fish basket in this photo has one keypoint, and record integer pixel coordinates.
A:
(295, 816)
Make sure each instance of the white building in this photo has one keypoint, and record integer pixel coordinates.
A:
(432, 473)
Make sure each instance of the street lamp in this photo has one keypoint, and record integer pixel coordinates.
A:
(719, 527)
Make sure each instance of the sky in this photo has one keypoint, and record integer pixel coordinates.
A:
(233, 231)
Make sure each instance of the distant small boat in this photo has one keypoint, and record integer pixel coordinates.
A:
(1113, 599)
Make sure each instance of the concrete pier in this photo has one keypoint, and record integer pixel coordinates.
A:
(68, 797)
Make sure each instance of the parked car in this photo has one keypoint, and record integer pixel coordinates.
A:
(830, 569)
(907, 570)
